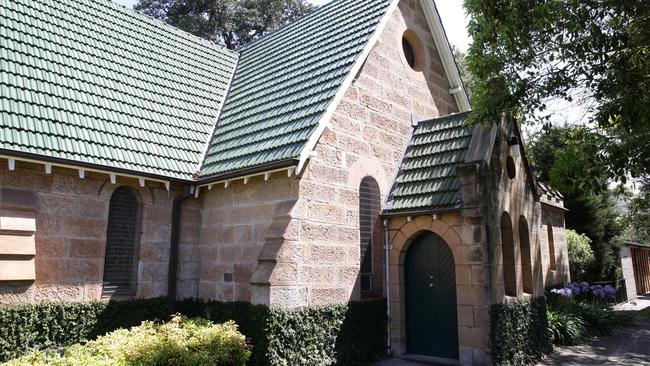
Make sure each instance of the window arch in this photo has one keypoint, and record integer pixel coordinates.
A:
(551, 247)
(122, 242)
(370, 238)
(526, 262)
(508, 254)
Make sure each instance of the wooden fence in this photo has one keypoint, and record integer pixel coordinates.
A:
(641, 263)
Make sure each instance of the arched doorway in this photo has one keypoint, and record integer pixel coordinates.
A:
(430, 286)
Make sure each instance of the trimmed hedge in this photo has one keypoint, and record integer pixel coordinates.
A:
(352, 334)
(180, 341)
(54, 325)
(520, 333)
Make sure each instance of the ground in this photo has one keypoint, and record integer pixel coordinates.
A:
(628, 346)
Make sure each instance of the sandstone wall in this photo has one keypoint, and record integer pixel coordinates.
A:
(71, 216)
(370, 130)
(242, 229)
(554, 217)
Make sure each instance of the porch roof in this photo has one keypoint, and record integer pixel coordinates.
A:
(427, 179)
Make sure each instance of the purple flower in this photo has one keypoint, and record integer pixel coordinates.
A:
(610, 292)
(565, 292)
(598, 291)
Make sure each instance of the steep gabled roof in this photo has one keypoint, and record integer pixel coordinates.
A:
(284, 83)
(427, 179)
(93, 82)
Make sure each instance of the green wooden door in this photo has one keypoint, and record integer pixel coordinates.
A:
(431, 318)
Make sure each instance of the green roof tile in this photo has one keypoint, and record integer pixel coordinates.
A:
(91, 81)
(285, 81)
(427, 179)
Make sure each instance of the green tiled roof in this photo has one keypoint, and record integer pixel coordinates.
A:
(427, 179)
(284, 83)
(94, 82)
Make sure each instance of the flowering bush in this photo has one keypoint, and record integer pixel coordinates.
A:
(584, 291)
(578, 310)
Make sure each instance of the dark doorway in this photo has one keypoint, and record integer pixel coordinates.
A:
(431, 313)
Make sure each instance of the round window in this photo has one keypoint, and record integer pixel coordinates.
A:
(412, 51)
(511, 169)
(409, 52)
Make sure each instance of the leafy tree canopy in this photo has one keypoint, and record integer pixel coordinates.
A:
(465, 75)
(567, 158)
(637, 217)
(231, 23)
(527, 51)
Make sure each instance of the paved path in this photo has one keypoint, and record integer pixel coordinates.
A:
(628, 346)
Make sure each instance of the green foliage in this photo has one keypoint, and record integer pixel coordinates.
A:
(526, 52)
(352, 334)
(572, 320)
(465, 75)
(599, 319)
(581, 256)
(52, 325)
(566, 329)
(178, 342)
(637, 219)
(567, 157)
(520, 333)
(229, 22)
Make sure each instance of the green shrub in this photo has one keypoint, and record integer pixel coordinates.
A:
(520, 333)
(351, 334)
(178, 342)
(566, 329)
(52, 325)
(581, 256)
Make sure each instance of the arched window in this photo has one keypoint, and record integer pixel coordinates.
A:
(370, 235)
(508, 253)
(551, 247)
(122, 237)
(526, 262)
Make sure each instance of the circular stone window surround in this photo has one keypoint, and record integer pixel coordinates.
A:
(418, 51)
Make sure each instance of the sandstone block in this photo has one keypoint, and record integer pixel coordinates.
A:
(466, 315)
(17, 244)
(327, 296)
(17, 269)
(288, 297)
(86, 248)
(12, 220)
(17, 199)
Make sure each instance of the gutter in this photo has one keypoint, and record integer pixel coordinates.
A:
(173, 248)
(249, 171)
(74, 164)
(420, 212)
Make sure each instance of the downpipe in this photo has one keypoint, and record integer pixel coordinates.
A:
(172, 275)
(387, 248)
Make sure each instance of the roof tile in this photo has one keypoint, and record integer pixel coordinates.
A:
(427, 179)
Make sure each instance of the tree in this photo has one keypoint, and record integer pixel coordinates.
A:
(565, 157)
(527, 51)
(231, 23)
(637, 217)
(581, 256)
(465, 75)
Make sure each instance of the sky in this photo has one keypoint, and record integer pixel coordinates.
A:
(451, 11)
